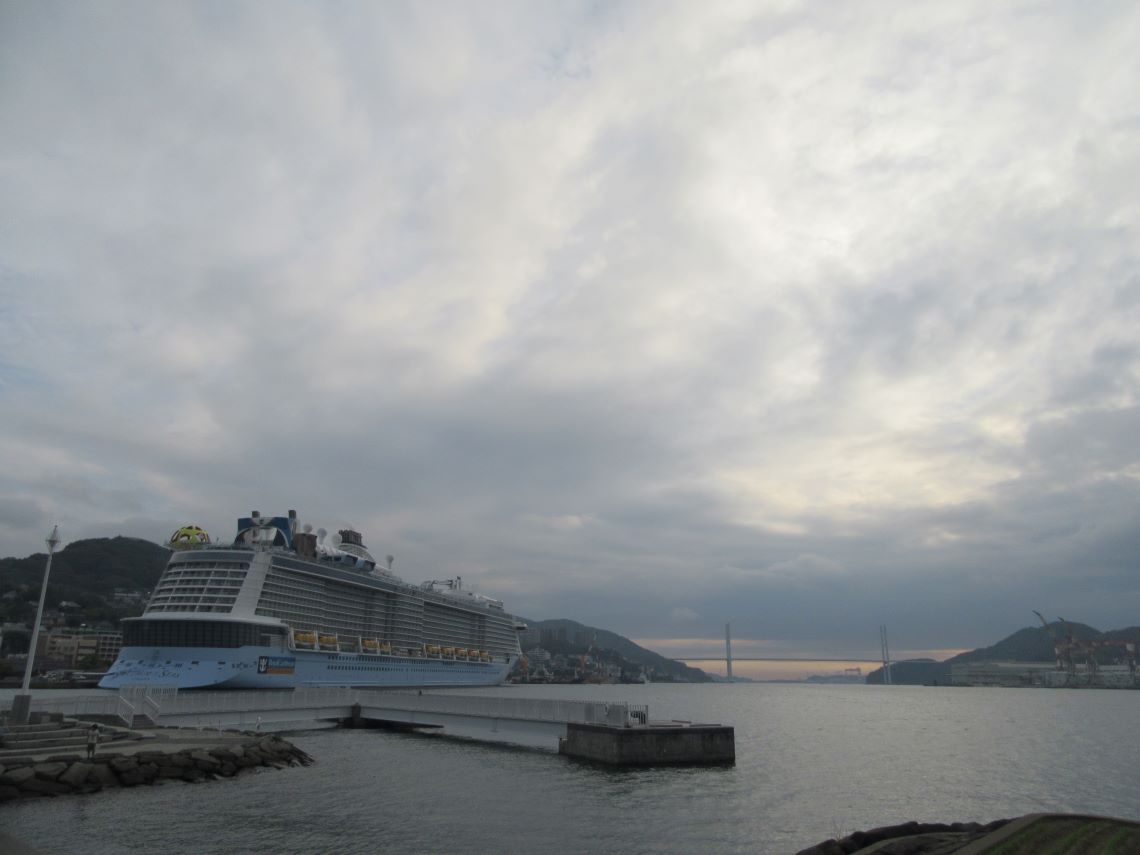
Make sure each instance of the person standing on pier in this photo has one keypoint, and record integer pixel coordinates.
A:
(92, 740)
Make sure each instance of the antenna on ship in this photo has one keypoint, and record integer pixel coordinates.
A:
(390, 560)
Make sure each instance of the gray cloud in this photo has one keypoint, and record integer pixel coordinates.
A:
(810, 318)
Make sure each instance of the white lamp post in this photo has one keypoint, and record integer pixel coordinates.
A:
(22, 703)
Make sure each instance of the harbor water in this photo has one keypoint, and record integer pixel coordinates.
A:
(813, 761)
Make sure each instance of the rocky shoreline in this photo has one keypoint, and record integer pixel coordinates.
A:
(67, 774)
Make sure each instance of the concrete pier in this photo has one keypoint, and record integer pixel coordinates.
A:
(623, 734)
(650, 745)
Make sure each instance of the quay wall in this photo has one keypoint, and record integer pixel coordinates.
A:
(28, 777)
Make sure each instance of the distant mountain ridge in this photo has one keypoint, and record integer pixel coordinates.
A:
(1030, 644)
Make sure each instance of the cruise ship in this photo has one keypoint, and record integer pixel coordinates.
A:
(285, 606)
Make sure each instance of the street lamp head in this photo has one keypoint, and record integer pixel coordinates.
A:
(53, 539)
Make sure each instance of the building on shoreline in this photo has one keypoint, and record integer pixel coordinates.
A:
(1042, 675)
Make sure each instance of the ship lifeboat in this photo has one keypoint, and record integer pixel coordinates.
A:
(327, 640)
(431, 649)
(460, 653)
(306, 638)
(370, 645)
(448, 651)
(385, 647)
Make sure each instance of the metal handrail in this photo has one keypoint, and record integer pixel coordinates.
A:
(125, 710)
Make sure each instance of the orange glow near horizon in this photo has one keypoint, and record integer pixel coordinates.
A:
(811, 661)
(770, 670)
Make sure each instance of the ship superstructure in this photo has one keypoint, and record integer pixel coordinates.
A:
(285, 606)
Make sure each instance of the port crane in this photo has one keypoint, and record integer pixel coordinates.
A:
(1062, 650)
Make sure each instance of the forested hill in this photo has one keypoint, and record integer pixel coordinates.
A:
(1031, 644)
(100, 565)
(578, 638)
(86, 572)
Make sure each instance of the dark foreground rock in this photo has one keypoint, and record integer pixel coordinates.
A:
(914, 838)
(1032, 834)
(27, 778)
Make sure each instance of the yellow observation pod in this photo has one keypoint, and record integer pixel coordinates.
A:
(189, 536)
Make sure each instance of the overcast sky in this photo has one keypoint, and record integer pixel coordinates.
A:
(808, 316)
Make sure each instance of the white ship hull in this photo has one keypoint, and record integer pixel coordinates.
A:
(269, 668)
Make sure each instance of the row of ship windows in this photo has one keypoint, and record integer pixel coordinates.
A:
(192, 633)
(280, 608)
(220, 578)
(208, 565)
(275, 605)
(197, 598)
(223, 609)
(309, 589)
(345, 601)
(320, 594)
(278, 601)
(189, 584)
(305, 574)
(325, 589)
(451, 636)
(195, 590)
(338, 628)
(385, 668)
(204, 571)
(164, 592)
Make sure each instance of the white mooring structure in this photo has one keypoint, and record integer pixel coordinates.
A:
(534, 722)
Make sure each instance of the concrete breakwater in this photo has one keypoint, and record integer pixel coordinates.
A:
(29, 777)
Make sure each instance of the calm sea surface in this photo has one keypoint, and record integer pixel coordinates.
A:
(813, 761)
